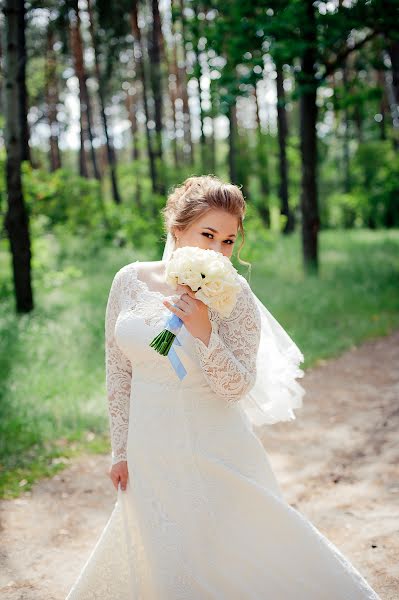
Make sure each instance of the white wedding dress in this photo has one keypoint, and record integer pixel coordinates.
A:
(202, 516)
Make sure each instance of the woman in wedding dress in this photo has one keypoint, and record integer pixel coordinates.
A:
(199, 514)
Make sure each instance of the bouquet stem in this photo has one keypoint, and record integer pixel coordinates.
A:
(163, 342)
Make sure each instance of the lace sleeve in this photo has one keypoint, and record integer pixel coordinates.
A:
(229, 360)
(118, 372)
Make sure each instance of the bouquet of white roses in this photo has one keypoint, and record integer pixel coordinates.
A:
(212, 278)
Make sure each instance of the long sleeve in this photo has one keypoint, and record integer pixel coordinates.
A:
(229, 360)
(118, 371)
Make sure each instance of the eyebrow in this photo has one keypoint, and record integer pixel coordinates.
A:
(216, 231)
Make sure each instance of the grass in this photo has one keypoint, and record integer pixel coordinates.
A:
(52, 381)
(354, 298)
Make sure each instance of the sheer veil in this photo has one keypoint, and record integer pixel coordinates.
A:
(276, 392)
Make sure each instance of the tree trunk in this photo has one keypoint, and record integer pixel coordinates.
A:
(170, 77)
(308, 119)
(383, 104)
(1, 80)
(188, 149)
(282, 126)
(156, 85)
(21, 75)
(85, 105)
(173, 90)
(262, 166)
(198, 74)
(204, 152)
(233, 143)
(393, 51)
(346, 170)
(393, 90)
(52, 101)
(108, 141)
(131, 107)
(16, 220)
(213, 113)
(212, 149)
(142, 77)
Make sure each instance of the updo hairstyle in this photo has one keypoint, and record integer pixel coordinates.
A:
(198, 194)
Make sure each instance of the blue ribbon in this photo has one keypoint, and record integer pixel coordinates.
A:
(174, 325)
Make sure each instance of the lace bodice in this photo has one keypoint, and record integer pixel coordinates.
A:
(228, 362)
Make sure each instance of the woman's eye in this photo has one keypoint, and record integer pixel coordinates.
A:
(207, 233)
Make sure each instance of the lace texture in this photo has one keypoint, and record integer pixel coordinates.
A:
(118, 371)
(228, 362)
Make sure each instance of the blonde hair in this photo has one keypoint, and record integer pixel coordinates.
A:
(198, 194)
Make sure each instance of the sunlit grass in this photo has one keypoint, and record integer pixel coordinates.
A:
(355, 296)
(52, 381)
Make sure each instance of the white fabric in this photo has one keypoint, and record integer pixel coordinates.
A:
(202, 516)
(275, 392)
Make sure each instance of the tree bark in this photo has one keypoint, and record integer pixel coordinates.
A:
(21, 75)
(282, 127)
(131, 102)
(188, 150)
(173, 91)
(233, 143)
(156, 85)
(308, 120)
(393, 89)
(85, 104)
(383, 104)
(16, 220)
(346, 170)
(52, 101)
(393, 51)
(142, 77)
(131, 107)
(108, 141)
(262, 166)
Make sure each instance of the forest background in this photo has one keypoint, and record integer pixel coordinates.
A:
(106, 106)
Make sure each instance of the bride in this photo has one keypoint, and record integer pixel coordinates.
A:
(199, 514)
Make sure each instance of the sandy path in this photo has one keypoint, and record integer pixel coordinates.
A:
(338, 463)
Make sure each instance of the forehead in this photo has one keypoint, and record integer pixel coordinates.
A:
(219, 219)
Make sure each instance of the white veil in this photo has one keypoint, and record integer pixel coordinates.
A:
(276, 392)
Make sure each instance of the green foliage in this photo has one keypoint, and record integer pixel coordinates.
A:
(376, 171)
(63, 197)
(65, 204)
(374, 197)
(345, 210)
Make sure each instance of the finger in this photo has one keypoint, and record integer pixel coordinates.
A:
(187, 290)
(185, 300)
(175, 309)
(123, 482)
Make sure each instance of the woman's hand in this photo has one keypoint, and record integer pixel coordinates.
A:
(119, 472)
(193, 313)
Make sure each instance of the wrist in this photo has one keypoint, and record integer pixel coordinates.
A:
(205, 336)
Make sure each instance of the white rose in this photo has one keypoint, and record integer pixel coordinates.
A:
(208, 270)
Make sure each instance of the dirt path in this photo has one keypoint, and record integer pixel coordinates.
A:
(338, 463)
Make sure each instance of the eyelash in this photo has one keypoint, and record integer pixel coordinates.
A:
(231, 241)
